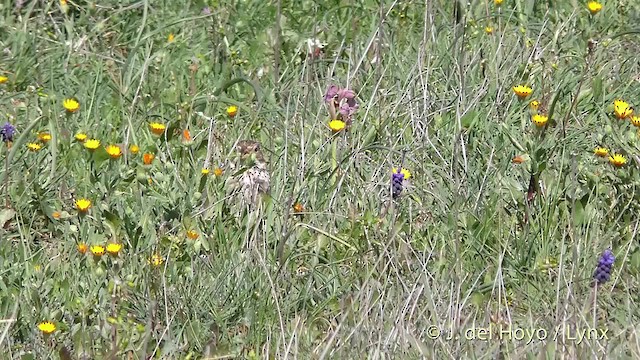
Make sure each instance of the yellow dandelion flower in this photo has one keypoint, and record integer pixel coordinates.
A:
(191, 234)
(594, 7)
(114, 151)
(405, 172)
(498, 2)
(3, 79)
(44, 137)
(534, 105)
(522, 91)
(81, 137)
(34, 147)
(147, 158)
(83, 205)
(71, 105)
(170, 38)
(47, 327)
(337, 125)
(617, 160)
(488, 30)
(92, 144)
(114, 248)
(622, 109)
(539, 120)
(635, 120)
(601, 151)
(232, 110)
(97, 250)
(156, 260)
(134, 149)
(204, 172)
(157, 128)
(82, 248)
(218, 172)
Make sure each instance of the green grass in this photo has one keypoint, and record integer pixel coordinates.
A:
(357, 274)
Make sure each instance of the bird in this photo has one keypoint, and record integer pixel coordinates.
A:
(251, 178)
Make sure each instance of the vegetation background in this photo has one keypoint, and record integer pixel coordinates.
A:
(501, 222)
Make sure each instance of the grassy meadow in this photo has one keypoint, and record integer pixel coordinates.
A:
(446, 179)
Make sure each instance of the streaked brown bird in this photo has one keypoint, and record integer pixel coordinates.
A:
(251, 177)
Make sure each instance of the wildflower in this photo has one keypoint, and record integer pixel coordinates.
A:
(539, 120)
(156, 260)
(97, 250)
(622, 109)
(82, 248)
(3, 79)
(635, 120)
(298, 208)
(170, 38)
(71, 105)
(488, 30)
(343, 100)
(601, 151)
(204, 172)
(206, 10)
(81, 137)
(396, 184)
(7, 132)
(404, 171)
(605, 263)
(186, 135)
(497, 2)
(34, 147)
(337, 125)
(147, 158)
(617, 160)
(114, 248)
(232, 111)
(191, 234)
(47, 327)
(594, 7)
(134, 149)
(217, 172)
(114, 151)
(522, 91)
(83, 205)
(331, 93)
(534, 104)
(44, 137)
(157, 128)
(517, 160)
(56, 215)
(92, 144)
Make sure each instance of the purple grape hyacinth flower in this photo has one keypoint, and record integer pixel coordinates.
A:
(396, 183)
(7, 132)
(605, 264)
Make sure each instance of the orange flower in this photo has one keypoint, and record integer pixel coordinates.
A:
(147, 158)
(297, 207)
(192, 234)
(517, 160)
(186, 135)
(82, 248)
(217, 171)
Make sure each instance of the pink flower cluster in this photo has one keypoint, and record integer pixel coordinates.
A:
(342, 103)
